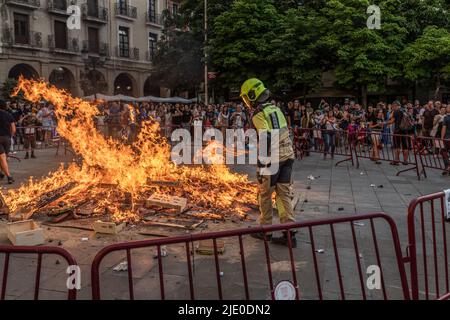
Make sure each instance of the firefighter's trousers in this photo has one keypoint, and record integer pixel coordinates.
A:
(281, 184)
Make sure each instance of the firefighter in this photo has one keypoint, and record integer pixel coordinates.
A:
(270, 120)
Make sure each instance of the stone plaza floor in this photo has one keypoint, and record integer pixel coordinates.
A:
(334, 192)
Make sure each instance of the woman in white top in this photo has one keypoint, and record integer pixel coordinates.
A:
(222, 119)
(437, 122)
(238, 118)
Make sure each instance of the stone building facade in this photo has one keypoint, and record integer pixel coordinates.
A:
(106, 47)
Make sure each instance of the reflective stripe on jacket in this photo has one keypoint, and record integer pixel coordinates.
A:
(269, 118)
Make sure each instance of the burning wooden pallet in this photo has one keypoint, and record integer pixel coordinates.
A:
(54, 195)
(43, 201)
(106, 201)
(85, 210)
(173, 184)
(165, 201)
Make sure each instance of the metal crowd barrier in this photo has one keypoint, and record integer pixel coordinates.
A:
(8, 251)
(308, 141)
(433, 153)
(423, 152)
(377, 146)
(38, 133)
(429, 265)
(381, 146)
(312, 282)
(314, 268)
(55, 141)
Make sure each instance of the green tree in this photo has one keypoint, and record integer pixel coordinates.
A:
(429, 57)
(420, 14)
(193, 13)
(300, 52)
(365, 57)
(290, 43)
(244, 41)
(178, 63)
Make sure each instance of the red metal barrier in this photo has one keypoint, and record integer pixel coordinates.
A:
(433, 153)
(378, 146)
(308, 283)
(39, 136)
(40, 252)
(428, 259)
(313, 141)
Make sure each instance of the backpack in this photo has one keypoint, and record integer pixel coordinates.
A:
(407, 122)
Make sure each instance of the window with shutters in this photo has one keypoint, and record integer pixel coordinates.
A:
(152, 42)
(93, 40)
(60, 35)
(124, 42)
(21, 28)
(152, 10)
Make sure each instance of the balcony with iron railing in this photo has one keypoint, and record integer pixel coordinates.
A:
(127, 53)
(95, 14)
(154, 19)
(30, 4)
(101, 49)
(59, 6)
(71, 46)
(125, 11)
(32, 41)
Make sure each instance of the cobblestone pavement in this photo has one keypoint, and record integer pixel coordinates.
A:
(335, 192)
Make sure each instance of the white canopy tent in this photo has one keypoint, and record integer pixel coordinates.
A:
(121, 97)
(106, 98)
(164, 100)
(151, 99)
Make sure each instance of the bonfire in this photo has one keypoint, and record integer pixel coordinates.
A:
(115, 179)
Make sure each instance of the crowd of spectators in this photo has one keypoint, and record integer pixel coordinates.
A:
(36, 121)
(425, 120)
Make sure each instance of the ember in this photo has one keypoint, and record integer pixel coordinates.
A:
(119, 179)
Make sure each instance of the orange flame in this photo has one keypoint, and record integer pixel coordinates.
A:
(129, 168)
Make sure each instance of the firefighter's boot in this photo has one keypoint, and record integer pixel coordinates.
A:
(284, 240)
